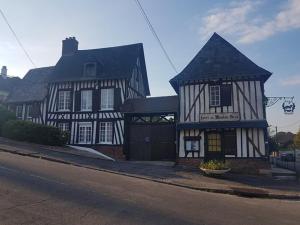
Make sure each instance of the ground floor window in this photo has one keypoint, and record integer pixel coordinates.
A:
(19, 111)
(229, 143)
(192, 143)
(85, 133)
(29, 112)
(106, 131)
(214, 142)
(65, 127)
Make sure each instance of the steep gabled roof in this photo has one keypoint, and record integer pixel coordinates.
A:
(8, 84)
(33, 87)
(218, 59)
(111, 63)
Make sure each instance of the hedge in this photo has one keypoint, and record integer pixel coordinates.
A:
(5, 116)
(32, 132)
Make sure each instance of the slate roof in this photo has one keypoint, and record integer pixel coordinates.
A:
(33, 87)
(9, 83)
(164, 104)
(218, 59)
(112, 63)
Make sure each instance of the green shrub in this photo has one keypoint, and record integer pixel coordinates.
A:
(32, 132)
(5, 115)
(214, 165)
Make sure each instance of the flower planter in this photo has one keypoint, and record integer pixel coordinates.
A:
(215, 172)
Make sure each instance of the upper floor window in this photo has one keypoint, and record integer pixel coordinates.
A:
(86, 100)
(107, 99)
(215, 95)
(19, 111)
(106, 131)
(29, 112)
(220, 95)
(90, 69)
(64, 100)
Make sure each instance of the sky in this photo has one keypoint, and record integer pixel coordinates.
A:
(266, 31)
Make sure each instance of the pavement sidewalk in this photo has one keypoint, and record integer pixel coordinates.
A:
(249, 186)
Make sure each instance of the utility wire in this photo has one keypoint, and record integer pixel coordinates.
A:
(155, 34)
(17, 39)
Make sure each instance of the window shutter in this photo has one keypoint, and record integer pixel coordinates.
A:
(95, 100)
(77, 100)
(117, 98)
(226, 94)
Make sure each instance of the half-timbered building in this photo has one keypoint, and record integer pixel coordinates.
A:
(222, 112)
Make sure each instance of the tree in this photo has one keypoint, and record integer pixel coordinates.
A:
(297, 140)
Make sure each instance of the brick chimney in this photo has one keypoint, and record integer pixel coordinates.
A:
(69, 46)
(4, 72)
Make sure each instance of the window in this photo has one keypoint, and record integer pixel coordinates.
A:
(29, 112)
(64, 100)
(64, 127)
(107, 99)
(90, 69)
(229, 143)
(86, 100)
(192, 144)
(19, 111)
(214, 94)
(85, 133)
(106, 130)
(214, 142)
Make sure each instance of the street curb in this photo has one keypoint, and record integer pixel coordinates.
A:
(232, 191)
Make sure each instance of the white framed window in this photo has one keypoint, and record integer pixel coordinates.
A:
(85, 133)
(64, 100)
(107, 99)
(214, 95)
(192, 144)
(86, 100)
(29, 111)
(19, 111)
(106, 132)
(90, 69)
(64, 127)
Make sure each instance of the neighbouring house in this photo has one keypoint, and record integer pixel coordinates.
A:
(100, 97)
(29, 99)
(7, 84)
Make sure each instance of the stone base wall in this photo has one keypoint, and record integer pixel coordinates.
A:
(248, 166)
(241, 166)
(115, 152)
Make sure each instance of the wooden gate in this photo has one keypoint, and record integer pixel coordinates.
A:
(151, 138)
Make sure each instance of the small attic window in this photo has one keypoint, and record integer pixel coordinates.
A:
(90, 69)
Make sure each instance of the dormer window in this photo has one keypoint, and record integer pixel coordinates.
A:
(90, 69)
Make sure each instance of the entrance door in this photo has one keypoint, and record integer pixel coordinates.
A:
(213, 148)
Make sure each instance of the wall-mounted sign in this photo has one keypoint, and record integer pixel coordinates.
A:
(232, 116)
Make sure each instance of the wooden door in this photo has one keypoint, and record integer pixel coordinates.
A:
(139, 142)
(213, 146)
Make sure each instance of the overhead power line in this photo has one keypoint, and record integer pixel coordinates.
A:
(155, 34)
(17, 39)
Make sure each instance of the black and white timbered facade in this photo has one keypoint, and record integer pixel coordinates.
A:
(83, 92)
(221, 104)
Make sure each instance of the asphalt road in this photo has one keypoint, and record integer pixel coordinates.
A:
(37, 192)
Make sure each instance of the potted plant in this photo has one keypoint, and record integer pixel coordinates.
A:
(214, 167)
